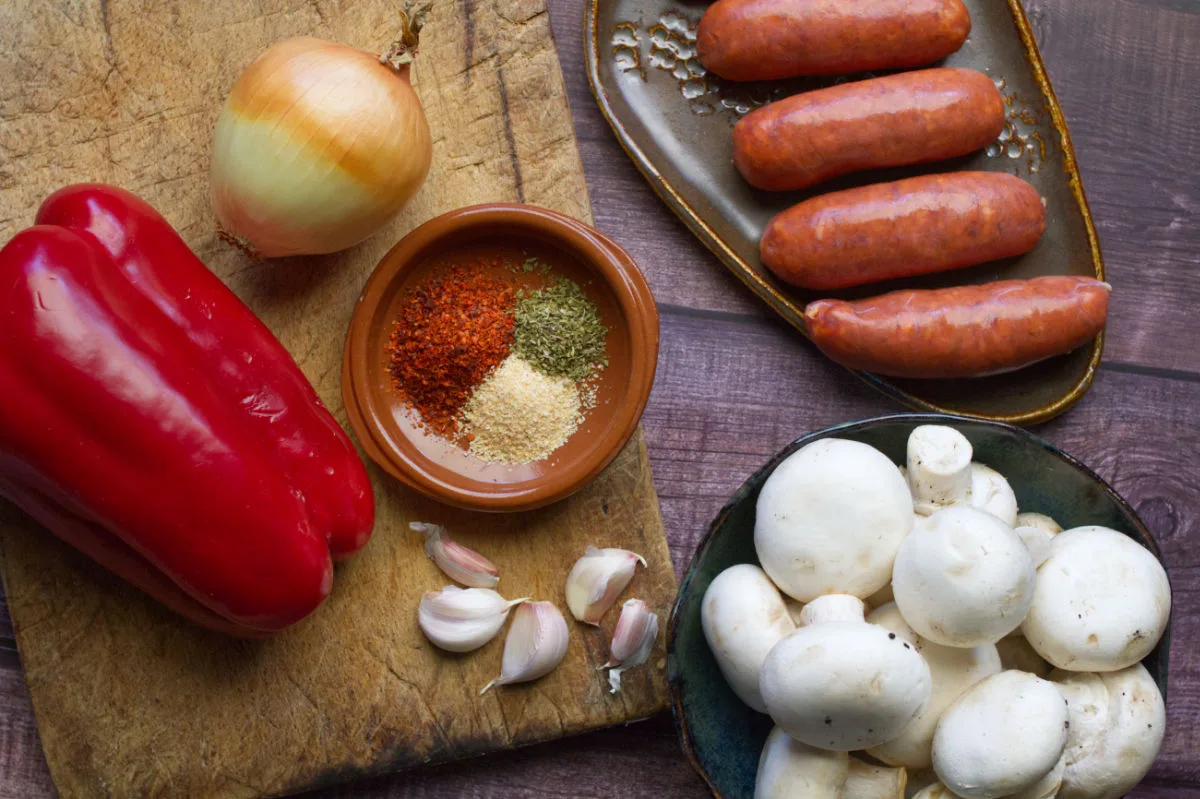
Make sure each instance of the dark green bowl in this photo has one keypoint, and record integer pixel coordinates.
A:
(720, 735)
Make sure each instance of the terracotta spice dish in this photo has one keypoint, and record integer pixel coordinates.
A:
(390, 432)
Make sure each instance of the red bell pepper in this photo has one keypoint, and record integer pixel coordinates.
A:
(149, 419)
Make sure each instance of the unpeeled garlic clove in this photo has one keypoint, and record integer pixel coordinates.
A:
(461, 619)
(597, 579)
(536, 643)
(459, 563)
(633, 640)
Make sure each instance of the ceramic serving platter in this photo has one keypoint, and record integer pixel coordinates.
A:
(723, 737)
(675, 122)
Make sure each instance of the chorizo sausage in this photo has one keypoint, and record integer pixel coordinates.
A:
(916, 226)
(770, 39)
(908, 118)
(965, 331)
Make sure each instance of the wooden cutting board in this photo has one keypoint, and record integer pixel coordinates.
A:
(130, 701)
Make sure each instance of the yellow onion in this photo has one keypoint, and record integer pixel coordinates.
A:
(318, 145)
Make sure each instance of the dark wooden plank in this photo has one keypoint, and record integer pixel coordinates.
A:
(23, 771)
(681, 271)
(1128, 77)
(730, 392)
(734, 386)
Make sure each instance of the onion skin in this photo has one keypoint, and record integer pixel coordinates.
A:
(317, 146)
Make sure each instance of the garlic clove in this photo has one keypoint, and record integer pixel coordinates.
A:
(633, 640)
(462, 619)
(536, 643)
(597, 579)
(459, 563)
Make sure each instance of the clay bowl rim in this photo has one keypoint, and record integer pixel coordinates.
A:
(753, 483)
(606, 259)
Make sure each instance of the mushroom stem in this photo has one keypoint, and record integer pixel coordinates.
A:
(868, 781)
(939, 467)
(832, 607)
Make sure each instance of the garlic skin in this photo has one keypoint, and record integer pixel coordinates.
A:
(597, 579)
(461, 564)
(462, 619)
(633, 640)
(536, 643)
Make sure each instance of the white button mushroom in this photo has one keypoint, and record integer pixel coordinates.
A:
(939, 467)
(1016, 653)
(832, 607)
(1000, 737)
(1101, 603)
(1039, 520)
(1048, 786)
(1117, 724)
(1045, 788)
(743, 617)
(952, 670)
(990, 492)
(963, 578)
(830, 519)
(843, 684)
(788, 769)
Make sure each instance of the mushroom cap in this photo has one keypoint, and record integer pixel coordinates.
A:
(963, 578)
(1048, 786)
(830, 519)
(990, 492)
(1001, 736)
(1117, 723)
(743, 617)
(1039, 520)
(1101, 603)
(1045, 788)
(844, 685)
(952, 671)
(788, 768)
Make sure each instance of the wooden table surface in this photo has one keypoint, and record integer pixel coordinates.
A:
(734, 384)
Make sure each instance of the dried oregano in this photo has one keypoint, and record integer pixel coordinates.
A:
(558, 330)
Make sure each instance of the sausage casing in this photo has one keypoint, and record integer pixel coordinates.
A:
(916, 226)
(907, 118)
(965, 331)
(770, 39)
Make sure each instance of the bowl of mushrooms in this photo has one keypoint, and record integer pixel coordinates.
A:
(927, 606)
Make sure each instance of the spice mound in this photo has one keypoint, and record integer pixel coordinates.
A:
(450, 334)
(558, 330)
(520, 415)
(505, 372)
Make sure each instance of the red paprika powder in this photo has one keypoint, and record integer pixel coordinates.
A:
(451, 332)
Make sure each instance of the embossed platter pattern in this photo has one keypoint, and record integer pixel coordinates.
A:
(675, 122)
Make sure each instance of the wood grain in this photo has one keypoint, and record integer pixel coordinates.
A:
(735, 385)
(1128, 77)
(129, 699)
